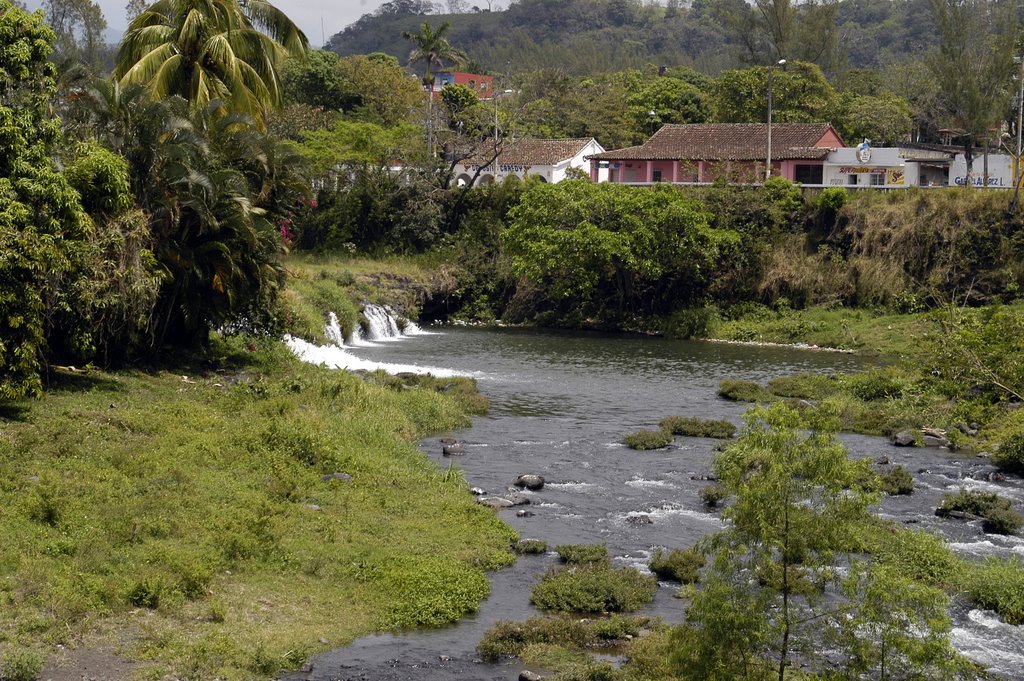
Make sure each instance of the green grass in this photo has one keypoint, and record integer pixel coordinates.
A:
(695, 427)
(866, 331)
(593, 588)
(582, 554)
(744, 391)
(509, 639)
(182, 516)
(677, 564)
(648, 439)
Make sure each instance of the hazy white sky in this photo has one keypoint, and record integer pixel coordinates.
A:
(336, 14)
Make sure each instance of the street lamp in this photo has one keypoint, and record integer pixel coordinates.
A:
(651, 115)
(768, 161)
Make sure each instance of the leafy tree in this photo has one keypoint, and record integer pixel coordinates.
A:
(605, 252)
(672, 101)
(385, 93)
(79, 26)
(210, 50)
(433, 49)
(973, 64)
(800, 94)
(770, 30)
(798, 503)
(41, 220)
(315, 79)
(885, 120)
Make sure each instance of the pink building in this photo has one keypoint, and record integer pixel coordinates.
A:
(704, 152)
(482, 85)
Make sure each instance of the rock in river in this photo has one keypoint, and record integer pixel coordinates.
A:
(530, 481)
(455, 449)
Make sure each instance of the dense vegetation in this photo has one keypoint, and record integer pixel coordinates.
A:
(145, 218)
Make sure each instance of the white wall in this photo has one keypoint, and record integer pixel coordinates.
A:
(843, 163)
(1000, 171)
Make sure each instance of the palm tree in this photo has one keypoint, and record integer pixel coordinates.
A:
(432, 48)
(204, 50)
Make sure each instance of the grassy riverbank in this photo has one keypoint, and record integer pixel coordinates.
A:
(182, 518)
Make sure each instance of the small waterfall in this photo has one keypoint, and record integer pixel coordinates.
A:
(381, 323)
(333, 330)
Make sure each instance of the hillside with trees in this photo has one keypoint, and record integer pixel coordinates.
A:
(582, 36)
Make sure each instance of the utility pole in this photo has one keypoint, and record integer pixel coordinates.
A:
(1020, 110)
(768, 159)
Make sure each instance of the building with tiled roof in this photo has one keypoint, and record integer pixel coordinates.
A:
(545, 159)
(703, 152)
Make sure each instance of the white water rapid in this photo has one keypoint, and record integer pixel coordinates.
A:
(382, 325)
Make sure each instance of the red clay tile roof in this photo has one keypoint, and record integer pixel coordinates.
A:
(727, 142)
(535, 152)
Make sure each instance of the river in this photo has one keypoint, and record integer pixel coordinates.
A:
(560, 405)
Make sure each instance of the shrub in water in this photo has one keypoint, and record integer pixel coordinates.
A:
(997, 512)
(696, 322)
(1010, 455)
(509, 639)
(897, 480)
(802, 386)
(580, 554)
(694, 427)
(743, 391)
(712, 495)
(998, 584)
(526, 547)
(648, 439)
(593, 589)
(20, 664)
(682, 566)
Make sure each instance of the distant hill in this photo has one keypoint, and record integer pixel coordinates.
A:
(586, 36)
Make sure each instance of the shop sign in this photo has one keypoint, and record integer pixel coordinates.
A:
(979, 181)
(851, 170)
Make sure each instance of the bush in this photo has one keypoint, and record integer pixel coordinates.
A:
(511, 638)
(593, 589)
(648, 439)
(743, 391)
(802, 386)
(712, 495)
(997, 512)
(694, 427)
(914, 554)
(682, 566)
(875, 385)
(696, 322)
(20, 664)
(998, 584)
(897, 480)
(1010, 455)
(581, 554)
(526, 547)
(1001, 521)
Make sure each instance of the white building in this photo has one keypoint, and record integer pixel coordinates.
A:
(545, 159)
(898, 167)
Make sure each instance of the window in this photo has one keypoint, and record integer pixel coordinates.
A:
(877, 179)
(852, 178)
(656, 176)
(472, 83)
(808, 174)
(483, 86)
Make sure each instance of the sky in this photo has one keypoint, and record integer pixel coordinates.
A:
(336, 15)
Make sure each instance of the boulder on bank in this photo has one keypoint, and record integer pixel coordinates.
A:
(339, 476)
(904, 438)
(530, 481)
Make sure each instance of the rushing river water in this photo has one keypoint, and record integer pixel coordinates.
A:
(560, 405)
